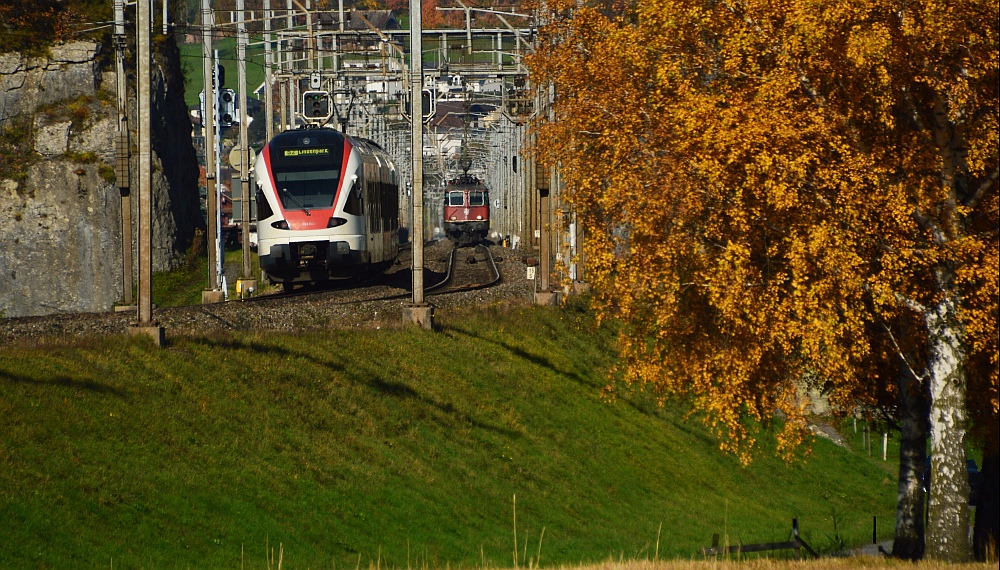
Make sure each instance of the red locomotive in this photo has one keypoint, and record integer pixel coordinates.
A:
(466, 210)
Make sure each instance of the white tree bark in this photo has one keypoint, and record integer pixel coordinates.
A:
(948, 510)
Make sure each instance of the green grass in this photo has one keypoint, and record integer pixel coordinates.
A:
(396, 447)
(183, 286)
(192, 62)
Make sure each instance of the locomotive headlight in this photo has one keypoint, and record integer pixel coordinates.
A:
(479, 217)
(334, 222)
(280, 225)
(453, 217)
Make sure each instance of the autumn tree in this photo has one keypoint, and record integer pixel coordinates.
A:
(772, 189)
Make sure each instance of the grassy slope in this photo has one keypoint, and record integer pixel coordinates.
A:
(192, 63)
(398, 446)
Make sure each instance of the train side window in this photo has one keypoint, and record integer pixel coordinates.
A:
(381, 201)
(370, 192)
(264, 210)
(477, 198)
(353, 204)
(378, 206)
(456, 198)
(394, 201)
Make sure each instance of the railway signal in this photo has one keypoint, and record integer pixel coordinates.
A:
(219, 73)
(227, 108)
(316, 105)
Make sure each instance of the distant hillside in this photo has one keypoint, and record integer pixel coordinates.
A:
(397, 448)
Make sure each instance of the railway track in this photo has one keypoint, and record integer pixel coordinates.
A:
(472, 279)
(458, 277)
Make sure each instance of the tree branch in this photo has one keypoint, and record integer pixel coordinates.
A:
(910, 304)
(899, 351)
(929, 224)
(888, 419)
(981, 191)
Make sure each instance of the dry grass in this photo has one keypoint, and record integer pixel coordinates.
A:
(766, 564)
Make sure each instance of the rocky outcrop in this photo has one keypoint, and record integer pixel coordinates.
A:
(70, 71)
(60, 213)
(58, 255)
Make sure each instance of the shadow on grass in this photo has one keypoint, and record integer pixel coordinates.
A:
(66, 382)
(402, 391)
(520, 353)
(379, 384)
(640, 401)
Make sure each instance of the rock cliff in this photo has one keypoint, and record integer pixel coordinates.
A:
(60, 210)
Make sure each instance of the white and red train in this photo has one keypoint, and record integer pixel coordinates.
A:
(466, 210)
(327, 207)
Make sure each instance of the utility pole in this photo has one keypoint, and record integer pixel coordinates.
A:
(212, 294)
(468, 26)
(122, 166)
(309, 29)
(544, 294)
(418, 312)
(247, 285)
(268, 72)
(145, 326)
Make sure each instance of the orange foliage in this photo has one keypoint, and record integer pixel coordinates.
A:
(769, 187)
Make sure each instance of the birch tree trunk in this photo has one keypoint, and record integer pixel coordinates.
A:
(909, 539)
(948, 509)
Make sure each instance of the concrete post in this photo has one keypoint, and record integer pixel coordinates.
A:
(418, 312)
(145, 326)
(122, 163)
(145, 166)
(212, 293)
(246, 285)
(268, 73)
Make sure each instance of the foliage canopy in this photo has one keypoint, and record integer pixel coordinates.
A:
(782, 194)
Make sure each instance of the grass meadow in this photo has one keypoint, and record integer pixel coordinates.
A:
(395, 448)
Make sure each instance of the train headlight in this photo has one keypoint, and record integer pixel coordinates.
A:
(280, 225)
(453, 218)
(479, 217)
(334, 222)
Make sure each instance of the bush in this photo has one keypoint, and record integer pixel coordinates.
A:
(15, 148)
(32, 26)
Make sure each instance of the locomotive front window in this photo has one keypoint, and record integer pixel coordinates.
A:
(456, 198)
(477, 198)
(307, 189)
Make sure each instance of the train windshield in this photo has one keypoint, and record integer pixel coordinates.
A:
(306, 166)
(306, 189)
(477, 198)
(456, 198)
